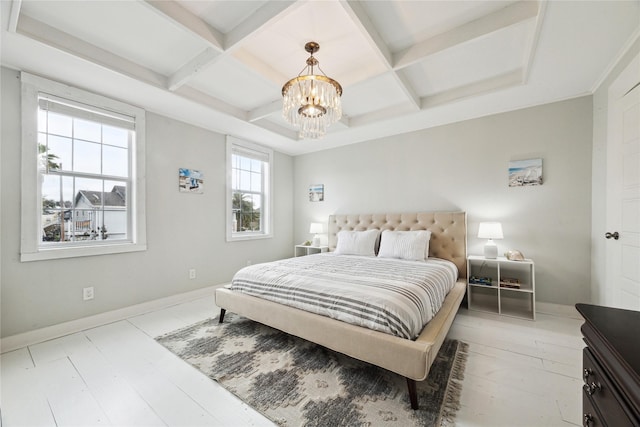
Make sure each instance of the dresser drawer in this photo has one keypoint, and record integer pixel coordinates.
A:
(599, 391)
(590, 415)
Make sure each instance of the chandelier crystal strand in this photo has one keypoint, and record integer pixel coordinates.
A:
(312, 102)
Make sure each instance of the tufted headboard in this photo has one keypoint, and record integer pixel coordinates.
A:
(448, 231)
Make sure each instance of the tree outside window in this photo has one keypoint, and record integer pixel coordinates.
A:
(246, 215)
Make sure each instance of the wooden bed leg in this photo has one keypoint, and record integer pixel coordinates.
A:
(413, 394)
(222, 312)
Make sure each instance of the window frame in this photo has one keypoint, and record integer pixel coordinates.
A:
(239, 145)
(31, 203)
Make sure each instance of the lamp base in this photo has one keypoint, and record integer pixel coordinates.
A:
(491, 250)
(316, 241)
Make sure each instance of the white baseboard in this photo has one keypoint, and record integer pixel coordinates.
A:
(17, 341)
(557, 309)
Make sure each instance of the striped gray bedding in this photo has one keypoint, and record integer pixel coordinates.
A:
(394, 296)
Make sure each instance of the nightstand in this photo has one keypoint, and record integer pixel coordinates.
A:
(501, 286)
(302, 250)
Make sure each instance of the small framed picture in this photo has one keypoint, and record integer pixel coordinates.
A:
(190, 181)
(525, 172)
(316, 193)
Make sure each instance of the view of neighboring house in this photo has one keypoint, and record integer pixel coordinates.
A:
(95, 215)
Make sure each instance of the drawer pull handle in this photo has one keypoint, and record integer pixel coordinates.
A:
(586, 373)
(587, 420)
(591, 388)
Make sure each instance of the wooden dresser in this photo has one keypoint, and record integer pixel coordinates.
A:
(611, 366)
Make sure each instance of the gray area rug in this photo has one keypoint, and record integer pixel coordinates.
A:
(297, 383)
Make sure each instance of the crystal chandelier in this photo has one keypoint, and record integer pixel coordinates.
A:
(311, 102)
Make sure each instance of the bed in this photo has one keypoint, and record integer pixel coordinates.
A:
(411, 358)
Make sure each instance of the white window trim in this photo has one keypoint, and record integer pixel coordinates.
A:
(268, 205)
(30, 249)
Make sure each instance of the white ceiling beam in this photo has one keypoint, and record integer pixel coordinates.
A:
(209, 101)
(265, 111)
(276, 128)
(261, 17)
(344, 121)
(16, 6)
(60, 40)
(533, 46)
(503, 18)
(382, 114)
(503, 81)
(491, 84)
(360, 18)
(183, 18)
(191, 68)
(188, 21)
(407, 88)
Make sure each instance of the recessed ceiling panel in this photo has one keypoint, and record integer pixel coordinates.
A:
(405, 23)
(490, 56)
(125, 28)
(371, 95)
(223, 15)
(232, 82)
(344, 54)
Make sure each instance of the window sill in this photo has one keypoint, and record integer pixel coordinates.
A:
(75, 252)
(242, 237)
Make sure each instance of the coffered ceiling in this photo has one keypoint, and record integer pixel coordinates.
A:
(403, 65)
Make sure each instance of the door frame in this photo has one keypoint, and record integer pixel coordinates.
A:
(624, 83)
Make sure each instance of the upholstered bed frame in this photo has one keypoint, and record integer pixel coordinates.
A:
(411, 359)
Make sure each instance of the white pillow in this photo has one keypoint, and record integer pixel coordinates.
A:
(410, 245)
(357, 242)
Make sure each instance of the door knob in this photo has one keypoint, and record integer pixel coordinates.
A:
(615, 235)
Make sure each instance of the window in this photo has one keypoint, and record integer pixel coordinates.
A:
(85, 153)
(249, 189)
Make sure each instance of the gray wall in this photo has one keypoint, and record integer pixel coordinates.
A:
(599, 196)
(183, 230)
(463, 166)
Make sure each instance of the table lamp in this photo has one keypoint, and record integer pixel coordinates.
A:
(316, 228)
(490, 230)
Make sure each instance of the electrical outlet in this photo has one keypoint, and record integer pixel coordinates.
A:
(192, 273)
(249, 262)
(87, 293)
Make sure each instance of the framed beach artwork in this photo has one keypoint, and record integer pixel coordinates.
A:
(316, 193)
(190, 181)
(525, 172)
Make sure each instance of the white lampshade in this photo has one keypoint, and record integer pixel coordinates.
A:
(316, 228)
(490, 230)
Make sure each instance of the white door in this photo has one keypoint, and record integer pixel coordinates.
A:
(623, 195)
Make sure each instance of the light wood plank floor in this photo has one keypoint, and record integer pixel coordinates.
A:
(519, 373)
